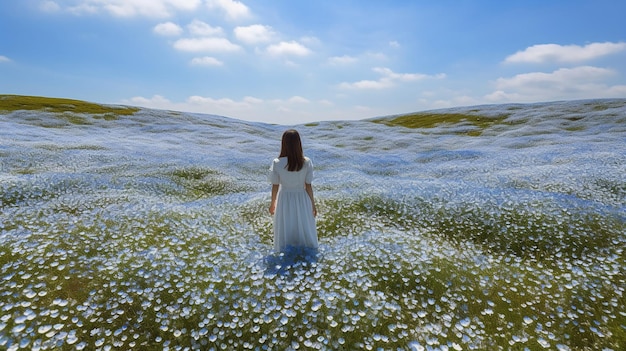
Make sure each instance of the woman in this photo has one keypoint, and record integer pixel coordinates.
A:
(293, 204)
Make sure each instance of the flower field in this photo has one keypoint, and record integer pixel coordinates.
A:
(481, 228)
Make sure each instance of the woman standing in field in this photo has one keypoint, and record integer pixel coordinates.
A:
(293, 204)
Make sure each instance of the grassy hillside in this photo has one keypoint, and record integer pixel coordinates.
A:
(10, 103)
(433, 119)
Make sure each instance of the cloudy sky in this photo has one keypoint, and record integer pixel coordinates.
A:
(289, 62)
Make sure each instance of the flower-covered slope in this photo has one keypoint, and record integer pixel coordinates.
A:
(487, 228)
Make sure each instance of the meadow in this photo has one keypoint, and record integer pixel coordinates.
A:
(496, 227)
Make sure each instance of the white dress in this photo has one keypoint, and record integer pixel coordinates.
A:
(294, 223)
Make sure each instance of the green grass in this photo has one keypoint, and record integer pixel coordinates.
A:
(528, 233)
(430, 120)
(201, 182)
(604, 105)
(9, 103)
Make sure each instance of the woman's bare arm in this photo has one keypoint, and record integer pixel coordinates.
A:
(274, 197)
(309, 190)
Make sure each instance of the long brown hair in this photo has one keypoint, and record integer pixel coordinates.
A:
(291, 147)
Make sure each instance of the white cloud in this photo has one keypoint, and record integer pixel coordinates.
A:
(565, 83)
(199, 28)
(157, 101)
(252, 100)
(234, 10)
(388, 79)
(288, 48)
(195, 103)
(206, 61)
(560, 78)
(168, 29)
(4, 59)
(394, 44)
(342, 60)
(130, 8)
(564, 53)
(206, 44)
(405, 77)
(223, 103)
(296, 109)
(298, 100)
(49, 6)
(254, 34)
(382, 83)
(84, 8)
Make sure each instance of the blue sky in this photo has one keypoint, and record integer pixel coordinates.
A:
(290, 62)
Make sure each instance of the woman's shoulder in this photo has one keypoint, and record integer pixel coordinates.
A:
(278, 160)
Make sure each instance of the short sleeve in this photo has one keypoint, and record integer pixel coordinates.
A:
(309, 172)
(272, 175)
